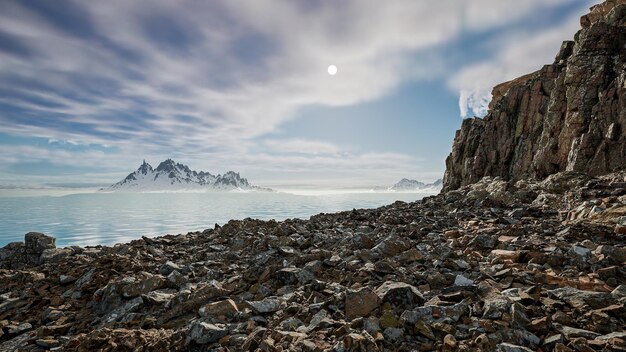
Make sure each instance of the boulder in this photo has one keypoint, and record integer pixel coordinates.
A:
(359, 303)
(400, 294)
(294, 276)
(134, 286)
(571, 333)
(29, 253)
(461, 280)
(226, 307)
(579, 298)
(168, 267)
(36, 242)
(267, 305)
(176, 278)
(204, 333)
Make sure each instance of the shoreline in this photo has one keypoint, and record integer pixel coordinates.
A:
(130, 216)
(62, 192)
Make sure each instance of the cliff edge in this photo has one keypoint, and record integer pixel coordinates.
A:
(567, 116)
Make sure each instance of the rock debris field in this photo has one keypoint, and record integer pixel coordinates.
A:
(494, 266)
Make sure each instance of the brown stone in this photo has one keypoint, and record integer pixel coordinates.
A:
(424, 329)
(449, 343)
(559, 347)
(226, 307)
(539, 325)
(502, 254)
(360, 303)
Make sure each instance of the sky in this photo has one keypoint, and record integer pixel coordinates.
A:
(89, 89)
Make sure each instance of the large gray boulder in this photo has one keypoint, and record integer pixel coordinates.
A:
(36, 242)
(17, 255)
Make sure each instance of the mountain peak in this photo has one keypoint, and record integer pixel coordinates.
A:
(171, 176)
(406, 184)
(144, 168)
(168, 165)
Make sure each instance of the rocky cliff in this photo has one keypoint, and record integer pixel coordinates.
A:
(568, 116)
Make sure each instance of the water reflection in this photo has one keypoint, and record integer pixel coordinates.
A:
(90, 219)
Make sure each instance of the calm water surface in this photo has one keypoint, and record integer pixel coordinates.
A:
(90, 219)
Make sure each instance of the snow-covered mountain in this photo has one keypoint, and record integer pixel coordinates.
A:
(405, 185)
(172, 176)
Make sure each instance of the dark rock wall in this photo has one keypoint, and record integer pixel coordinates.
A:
(568, 116)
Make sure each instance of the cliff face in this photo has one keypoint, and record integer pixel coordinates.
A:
(568, 116)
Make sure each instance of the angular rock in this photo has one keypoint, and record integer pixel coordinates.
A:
(495, 306)
(158, 296)
(203, 333)
(501, 254)
(19, 329)
(507, 347)
(38, 242)
(449, 343)
(579, 298)
(570, 333)
(176, 278)
(226, 307)
(85, 279)
(393, 335)
(400, 294)
(294, 276)
(359, 303)
(144, 283)
(267, 305)
(168, 267)
(47, 343)
(66, 279)
(461, 280)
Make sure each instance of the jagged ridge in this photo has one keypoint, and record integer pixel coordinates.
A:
(413, 185)
(170, 175)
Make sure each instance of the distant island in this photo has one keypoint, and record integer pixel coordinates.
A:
(409, 185)
(171, 176)
(413, 185)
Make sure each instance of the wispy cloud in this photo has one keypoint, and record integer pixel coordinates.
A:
(516, 54)
(302, 146)
(207, 80)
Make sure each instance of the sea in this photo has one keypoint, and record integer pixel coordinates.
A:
(88, 219)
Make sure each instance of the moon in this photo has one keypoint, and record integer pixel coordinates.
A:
(332, 70)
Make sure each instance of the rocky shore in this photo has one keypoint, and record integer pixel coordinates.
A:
(494, 266)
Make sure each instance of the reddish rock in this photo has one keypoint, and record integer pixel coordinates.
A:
(360, 303)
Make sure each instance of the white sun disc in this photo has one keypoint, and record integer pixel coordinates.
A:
(332, 70)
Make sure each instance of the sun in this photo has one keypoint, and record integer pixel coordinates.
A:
(332, 70)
